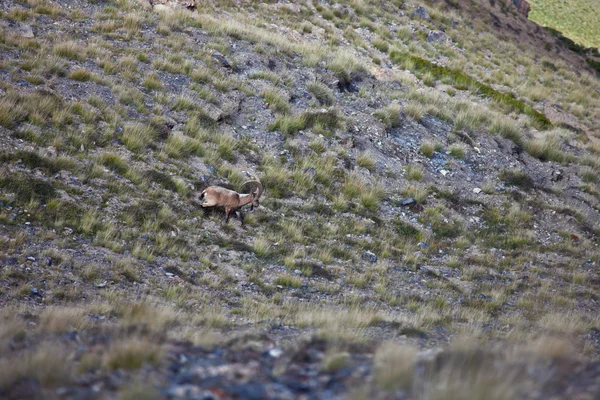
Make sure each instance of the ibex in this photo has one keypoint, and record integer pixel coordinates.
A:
(217, 196)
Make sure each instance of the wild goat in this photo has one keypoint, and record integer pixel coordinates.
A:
(217, 196)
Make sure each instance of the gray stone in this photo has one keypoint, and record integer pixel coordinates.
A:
(438, 37)
(422, 13)
(369, 256)
(408, 202)
(214, 113)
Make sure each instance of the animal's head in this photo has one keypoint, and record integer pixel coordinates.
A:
(255, 199)
(255, 188)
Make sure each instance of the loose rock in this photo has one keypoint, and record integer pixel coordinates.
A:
(369, 256)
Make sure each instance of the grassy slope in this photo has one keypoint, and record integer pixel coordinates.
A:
(578, 20)
(96, 181)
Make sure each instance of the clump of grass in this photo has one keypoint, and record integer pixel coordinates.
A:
(394, 366)
(336, 361)
(133, 22)
(381, 45)
(276, 100)
(414, 172)
(418, 193)
(132, 354)
(371, 197)
(547, 148)
(441, 225)
(289, 124)
(321, 92)
(262, 247)
(353, 186)
(516, 177)
(428, 79)
(366, 160)
(152, 82)
(90, 222)
(48, 364)
(287, 280)
(179, 146)
(114, 162)
(469, 119)
(273, 77)
(26, 188)
(329, 119)
(428, 148)
(508, 129)
(457, 151)
(343, 65)
(81, 75)
(415, 111)
(137, 136)
(488, 187)
(390, 116)
(71, 50)
(318, 146)
(588, 175)
(184, 102)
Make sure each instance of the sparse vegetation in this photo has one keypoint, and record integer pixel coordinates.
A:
(321, 93)
(424, 226)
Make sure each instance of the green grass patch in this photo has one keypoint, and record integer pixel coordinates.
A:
(81, 75)
(516, 177)
(462, 81)
(329, 119)
(321, 92)
(138, 136)
(576, 19)
(26, 188)
(547, 148)
(276, 100)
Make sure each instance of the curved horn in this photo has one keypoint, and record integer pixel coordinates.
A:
(256, 183)
(261, 189)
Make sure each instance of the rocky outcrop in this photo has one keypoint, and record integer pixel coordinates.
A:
(523, 6)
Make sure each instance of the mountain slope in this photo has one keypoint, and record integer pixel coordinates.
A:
(431, 201)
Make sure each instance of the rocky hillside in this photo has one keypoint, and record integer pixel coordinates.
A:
(428, 229)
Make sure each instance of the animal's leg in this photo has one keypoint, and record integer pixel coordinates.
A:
(227, 213)
(241, 216)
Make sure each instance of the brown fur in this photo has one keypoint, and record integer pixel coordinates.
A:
(216, 196)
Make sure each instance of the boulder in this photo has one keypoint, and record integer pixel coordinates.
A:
(422, 13)
(438, 37)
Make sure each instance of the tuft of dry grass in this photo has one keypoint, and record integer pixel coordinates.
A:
(321, 92)
(547, 147)
(415, 111)
(71, 50)
(276, 100)
(394, 366)
(48, 363)
(366, 160)
(137, 136)
(133, 353)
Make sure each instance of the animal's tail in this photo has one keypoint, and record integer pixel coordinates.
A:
(201, 197)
